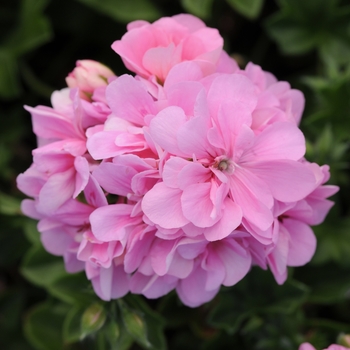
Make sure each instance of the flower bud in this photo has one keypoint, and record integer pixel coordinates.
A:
(344, 339)
(88, 75)
(134, 324)
(93, 319)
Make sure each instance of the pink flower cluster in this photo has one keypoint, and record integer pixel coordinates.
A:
(181, 177)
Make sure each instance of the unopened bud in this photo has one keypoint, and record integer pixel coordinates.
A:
(134, 324)
(93, 319)
(87, 76)
(344, 339)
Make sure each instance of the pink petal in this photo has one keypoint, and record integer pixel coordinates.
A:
(115, 178)
(28, 208)
(138, 248)
(57, 190)
(192, 291)
(197, 205)
(166, 260)
(233, 88)
(82, 174)
(159, 60)
(212, 264)
(191, 22)
(289, 181)
(302, 243)
(162, 205)
(253, 197)
(278, 257)
(152, 286)
(231, 219)
(184, 71)
(31, 181)
(73, 213)
(193, 173)
(50, 124)
(195, 143)
(278, 141)
(306, 346)
(164, 128)
(184, 95)
(102, 144)
(171, 171)
(236, 260)
(109, 223)
(129, 100)
(94, 194)
(54, 238)
(111, 283)
(131, 48)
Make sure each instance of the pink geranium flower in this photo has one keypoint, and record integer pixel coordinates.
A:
(223, 172)
(180, 178)
(153, 49)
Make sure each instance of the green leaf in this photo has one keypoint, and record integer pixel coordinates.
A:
(125, 10)
(43, 326)
(31, 231)
(9, 205)
(256, 294)
(332, 98)
(42, 268)
(333, 242)
(248, 8)
(5, 155)
(13, 244)
(229, 314)
(200, 8)
(9, 84)
(314, 24)
(328, 283)
(73, 289)
(72, 325)
(292, 39)
(11, 304)
(33, 28)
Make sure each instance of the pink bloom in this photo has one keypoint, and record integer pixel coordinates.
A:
(295, 242)
(222, 172)
(132, 107)
(152, 49)
(87, 76)
(180, 178)
(59, 172)
(276, 100)
(195, 267)
(68, 118)
(61, 164)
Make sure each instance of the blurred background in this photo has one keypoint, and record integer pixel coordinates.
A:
(305, 42)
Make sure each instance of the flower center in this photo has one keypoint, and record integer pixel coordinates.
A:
(224, 164)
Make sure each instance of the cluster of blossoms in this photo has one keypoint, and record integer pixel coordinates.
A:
(180, 177)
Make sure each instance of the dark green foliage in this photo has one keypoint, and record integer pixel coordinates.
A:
(306, 42)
